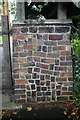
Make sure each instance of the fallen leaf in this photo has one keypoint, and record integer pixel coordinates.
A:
(65, 113)
(69, 116)
(14, 113)
(29, 108)
(0, 112)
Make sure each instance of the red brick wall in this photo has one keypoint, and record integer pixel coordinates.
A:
(42, 62)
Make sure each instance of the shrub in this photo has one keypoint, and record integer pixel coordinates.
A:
(75, 42)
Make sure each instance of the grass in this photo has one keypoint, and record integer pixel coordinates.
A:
(0, 39)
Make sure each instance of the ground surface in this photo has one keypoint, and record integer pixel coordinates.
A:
(41, 111)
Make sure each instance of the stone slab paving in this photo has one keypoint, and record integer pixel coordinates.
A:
(4, 98)
(1, 53)
(6, 101)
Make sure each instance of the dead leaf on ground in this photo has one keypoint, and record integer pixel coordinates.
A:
(65, 113)
(29, 108)
(14, 113)
(0, 112)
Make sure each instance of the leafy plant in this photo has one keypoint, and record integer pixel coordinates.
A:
(1, 8)
(75, 42)
(12, 8)
(37, 10)
(39, 7)
(76, 20)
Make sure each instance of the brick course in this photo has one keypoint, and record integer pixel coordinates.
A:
(42, 62)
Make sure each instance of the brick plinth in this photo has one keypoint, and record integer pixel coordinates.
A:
(42, 63)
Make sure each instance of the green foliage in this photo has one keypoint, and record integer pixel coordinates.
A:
(75, 40)
(37, 10)
(0, 8)
(0, 3)
(0, 39)
(78, 104)
(39, 7)
(76, 20)
(12, 8)
(75, 43)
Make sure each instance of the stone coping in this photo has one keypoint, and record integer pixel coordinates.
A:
(44, 22)
(49, 21)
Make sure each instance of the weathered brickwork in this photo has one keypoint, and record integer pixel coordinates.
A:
(42, 62)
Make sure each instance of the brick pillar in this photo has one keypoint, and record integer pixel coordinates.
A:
(42, 61)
